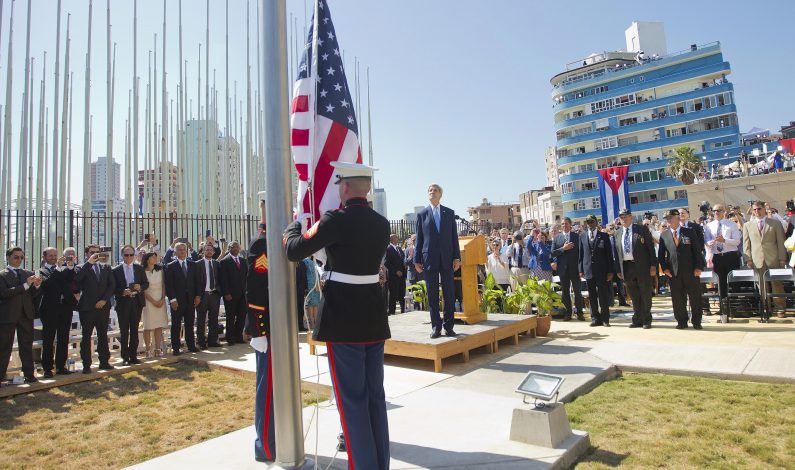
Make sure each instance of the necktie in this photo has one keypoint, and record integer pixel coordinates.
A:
(761, 226)
(436, 218)
(237, 262)
(719, 244)
(627, 241)
(212, 276)
(590, 235)
(96, 270)
(19, 276)
(184, 268)
(676, 237)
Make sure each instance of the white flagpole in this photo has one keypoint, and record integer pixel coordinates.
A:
(40, 163)
(181, 170)
(210, 175)
(250, 193)
(55, 117)
(87, 124)
(128, 176)
(164, 129)
(148, 142)
(63, 194)
(155, 142)
(5, 191)
(69, 158)
(109, 124)
(134, 137)
(22, 196)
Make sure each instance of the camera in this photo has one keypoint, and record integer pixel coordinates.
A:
(704, 207)
(648, 215)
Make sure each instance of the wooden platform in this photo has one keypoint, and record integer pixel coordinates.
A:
(411, 336)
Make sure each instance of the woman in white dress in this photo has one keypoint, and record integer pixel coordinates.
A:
(155, 317)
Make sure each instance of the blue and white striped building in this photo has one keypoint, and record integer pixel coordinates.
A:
(616, 108)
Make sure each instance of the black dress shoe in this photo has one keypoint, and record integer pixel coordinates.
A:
(202, 347)
(63, 372)
(230, 343)
(580, 317)
(124, 363)
(596, 323)
(634, 325)
(607, 324)
(450, 333)
(623, 304)
(48, 374)
(647, 327)
(106, 366)
(566, 318)
(31, 379)
(194, 349)
(214, 345)
(681, 327)
(134, 360)
(86, 370)
(435, 334)
(698, 327)
(176, 352)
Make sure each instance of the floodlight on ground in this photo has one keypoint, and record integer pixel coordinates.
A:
(540, 386)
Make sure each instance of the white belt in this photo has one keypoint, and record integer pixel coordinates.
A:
(352, 279)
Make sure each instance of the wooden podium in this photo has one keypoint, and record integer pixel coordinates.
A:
(473, 253)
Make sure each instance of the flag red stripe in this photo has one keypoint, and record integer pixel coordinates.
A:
(301, 104)
(303, 171)
(300, 137)
(331, 153)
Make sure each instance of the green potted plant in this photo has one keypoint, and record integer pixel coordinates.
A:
(493, 296)
(520, 301)
(546, 299)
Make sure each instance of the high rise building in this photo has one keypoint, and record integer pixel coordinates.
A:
(231, 184)
(551, 165)
(542, 205)
(150, 182)
(379, 201)
(202, 172)
(637, 108)
(98, 185)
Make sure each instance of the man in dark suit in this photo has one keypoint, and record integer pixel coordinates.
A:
(566, 256)
(596, 266)
(396, 275)
(18, 287)
(438, 255)
(207, 287)
(56, 304)
(130, 280)
(680, 253)
(184, 296)
(95, 282)
(637, 265)
(232, 277)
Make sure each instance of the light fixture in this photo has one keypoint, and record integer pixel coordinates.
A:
(540, 386)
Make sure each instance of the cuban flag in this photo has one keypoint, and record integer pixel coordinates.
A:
(613, 192)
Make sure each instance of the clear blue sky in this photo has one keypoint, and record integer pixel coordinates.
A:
(460, 89)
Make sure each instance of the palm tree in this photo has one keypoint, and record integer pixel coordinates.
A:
(684, 165)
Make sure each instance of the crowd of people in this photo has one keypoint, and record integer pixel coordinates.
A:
(777, 162)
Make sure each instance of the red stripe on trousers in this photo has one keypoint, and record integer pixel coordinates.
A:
(301, 104)
(300, 137)
(269, 396)
(331, 153)
(339, 404)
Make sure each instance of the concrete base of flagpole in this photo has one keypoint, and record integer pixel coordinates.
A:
(307, 464)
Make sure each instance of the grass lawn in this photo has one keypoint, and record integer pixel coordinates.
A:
(124, 419)
(647, 420)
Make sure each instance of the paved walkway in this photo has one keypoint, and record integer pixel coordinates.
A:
(461, 418)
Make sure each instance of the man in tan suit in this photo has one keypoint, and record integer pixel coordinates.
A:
(763, 246)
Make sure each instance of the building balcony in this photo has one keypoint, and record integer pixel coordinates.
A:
(652, 144)
(659, 120)
(636, 209)
(592, 78)
(648, 103)
(635, 187)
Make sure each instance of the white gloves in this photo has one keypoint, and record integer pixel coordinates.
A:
(259, 343)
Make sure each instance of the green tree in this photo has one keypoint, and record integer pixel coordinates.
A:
(684, 165)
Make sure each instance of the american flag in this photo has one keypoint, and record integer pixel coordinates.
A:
(613, 192)
(323, 121)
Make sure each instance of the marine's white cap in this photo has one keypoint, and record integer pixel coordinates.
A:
(352, 170)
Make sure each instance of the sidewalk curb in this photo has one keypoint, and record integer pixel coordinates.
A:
(712, 375)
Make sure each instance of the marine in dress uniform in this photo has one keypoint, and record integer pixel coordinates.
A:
(352, 318)
(258, 328)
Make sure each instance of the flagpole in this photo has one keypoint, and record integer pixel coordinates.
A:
(5, 191)
(284, 346)
(22, 197)
(87, 128)
(63, 195)
(55, 141)
(109, 125)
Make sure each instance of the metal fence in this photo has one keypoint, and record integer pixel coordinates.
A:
(35, 230)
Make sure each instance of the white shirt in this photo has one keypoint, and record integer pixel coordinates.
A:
(501, 273)
(567, 235)
(731, 234)
(627, 255)
(207, 267)
(129, 274)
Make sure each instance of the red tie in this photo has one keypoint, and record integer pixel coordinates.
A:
(237, 262)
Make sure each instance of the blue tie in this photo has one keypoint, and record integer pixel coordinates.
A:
(437, 218)
(719, 244)
(627, 237)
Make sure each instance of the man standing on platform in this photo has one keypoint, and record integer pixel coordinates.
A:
(207, 288)
(437, 254)
(130, 281)
(257, 331)
(724, 242)
(396, 275)
(637, 265)
(55, 308)
(352, 320)
(566, 255)
(18, 286)
(233, 287)
(183, 296)
(95, 282)
(680, 254)
(763, 245)
(597, 268)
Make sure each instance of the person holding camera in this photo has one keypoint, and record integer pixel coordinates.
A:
(56, 304)
(130, 283)
(95, 282)
(18, 287)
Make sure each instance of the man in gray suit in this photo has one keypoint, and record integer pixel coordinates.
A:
(95, 282)
(17, 288)
(637, 265)
(565, 255)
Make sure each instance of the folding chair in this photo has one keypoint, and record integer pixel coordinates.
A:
(742, 296)
(712, 294)
(785, 275)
